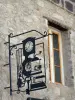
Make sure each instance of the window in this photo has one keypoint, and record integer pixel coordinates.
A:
(62, 2)
(57, 1)
(72, 0)
(55, 57)
(56, 53)
(69, 6)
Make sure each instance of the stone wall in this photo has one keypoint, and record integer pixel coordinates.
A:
(68, 69)
(72, 35)
(17, 16)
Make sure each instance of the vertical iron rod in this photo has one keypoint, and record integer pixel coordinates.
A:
(10, 65)
(17, 64)
(44, 61)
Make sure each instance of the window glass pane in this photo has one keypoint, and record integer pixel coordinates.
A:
(62, 1)
(56, 1)
(57, 74)
(55, 41)
(56, 58)
(69, 6)
(72, 0)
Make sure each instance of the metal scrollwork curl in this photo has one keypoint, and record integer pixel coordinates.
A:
(11, 34)
(45, 33)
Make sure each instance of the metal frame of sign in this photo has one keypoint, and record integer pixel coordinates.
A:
(14, 46)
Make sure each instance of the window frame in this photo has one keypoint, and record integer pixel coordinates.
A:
(64, 5)
(51, 56)
(59, 56)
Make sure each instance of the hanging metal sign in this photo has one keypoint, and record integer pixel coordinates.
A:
(30, 70)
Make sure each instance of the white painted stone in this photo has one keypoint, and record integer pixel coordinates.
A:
(29, 20)
(40, 3)
(57, 16)
(57, 91)
(35, 18)
(62, 98)
(14, 40)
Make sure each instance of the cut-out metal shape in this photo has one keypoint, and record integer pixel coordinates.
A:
(29, 69)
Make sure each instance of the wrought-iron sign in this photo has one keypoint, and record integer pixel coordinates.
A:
(30, 70)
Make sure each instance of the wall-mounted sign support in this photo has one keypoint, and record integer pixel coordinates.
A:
(30, 70)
